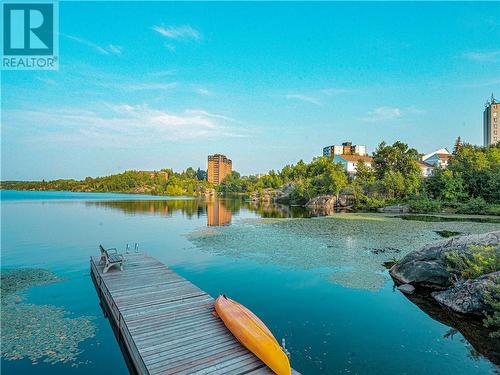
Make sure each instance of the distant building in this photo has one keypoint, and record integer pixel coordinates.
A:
(426, 169)
(349, 162)
(438, 158)
(346, 148)
(219, 166)
(490, 122)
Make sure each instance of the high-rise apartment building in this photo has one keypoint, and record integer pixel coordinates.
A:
(490, 122)
(218, 168)
(346, 148)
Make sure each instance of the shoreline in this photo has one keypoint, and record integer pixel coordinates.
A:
(444, 216)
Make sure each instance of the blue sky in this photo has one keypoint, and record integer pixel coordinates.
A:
(154, 85)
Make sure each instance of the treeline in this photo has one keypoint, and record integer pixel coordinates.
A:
(163, 182)
(470, 183)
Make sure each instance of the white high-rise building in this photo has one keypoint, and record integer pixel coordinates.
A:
(346, 148)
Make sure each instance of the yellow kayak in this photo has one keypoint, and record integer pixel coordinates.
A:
(253, 334)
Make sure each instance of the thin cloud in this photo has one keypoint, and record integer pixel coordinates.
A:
(489, 56)
(493, 82)
(170, 47)
(117, 50)
(184, 32)
(147, 86)
(110, 49)
(383, 113)
(201, 112)
(163, 73)
(334, 91)
(128, 123)
(303, 98)
(203, 91)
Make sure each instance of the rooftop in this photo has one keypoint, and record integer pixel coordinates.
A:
(424, 164)
(349, 157)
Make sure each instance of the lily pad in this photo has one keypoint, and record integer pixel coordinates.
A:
(38, 332)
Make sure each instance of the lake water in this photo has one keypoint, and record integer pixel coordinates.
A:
(317, 282)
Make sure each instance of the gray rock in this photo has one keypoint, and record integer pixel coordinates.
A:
(427, 267)
(399, 208)
(468, 297)
(406, 288)
(273, 195)
(322, 201)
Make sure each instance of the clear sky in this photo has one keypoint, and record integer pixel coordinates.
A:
(154, 85)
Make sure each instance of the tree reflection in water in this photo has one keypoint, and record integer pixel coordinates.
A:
(218, 211)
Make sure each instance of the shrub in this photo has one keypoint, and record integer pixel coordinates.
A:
(492, 298)
(473, 206)
(478, 206)
(479, 260)
(424, 205)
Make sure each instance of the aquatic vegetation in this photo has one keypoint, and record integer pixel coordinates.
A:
(447, 233)
(38, 332)
(359, 217)
(352, 247)
(451, 218)
(14, 281)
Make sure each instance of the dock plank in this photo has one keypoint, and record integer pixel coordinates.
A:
(166, 324)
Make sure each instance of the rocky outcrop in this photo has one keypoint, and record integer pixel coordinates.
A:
(396, 209)
(273, 195)
(329, 201)
(406, 288)
(323, 205)
(322, 202)
(426, 267)
(283, 195)
(468, 297)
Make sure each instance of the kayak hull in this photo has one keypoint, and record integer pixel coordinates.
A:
(252, 333)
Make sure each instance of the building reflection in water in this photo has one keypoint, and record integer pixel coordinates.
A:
(218, 214)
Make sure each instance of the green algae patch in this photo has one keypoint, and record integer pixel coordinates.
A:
(38, 332)
(355, 249)
(376, 217)
(448, 233)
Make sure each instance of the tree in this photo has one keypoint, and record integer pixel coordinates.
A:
(396, 166)
(337, 178)
(394, 184)
(479, 168)
(458, 145)
(299, 170)
(365, 175)
(398, 157)
(444, 185)
(201, 174)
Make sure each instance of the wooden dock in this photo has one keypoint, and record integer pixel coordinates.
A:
(165, 323)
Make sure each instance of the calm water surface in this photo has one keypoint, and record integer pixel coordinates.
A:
(318, 282)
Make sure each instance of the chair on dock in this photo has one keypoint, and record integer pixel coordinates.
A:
(110, 258)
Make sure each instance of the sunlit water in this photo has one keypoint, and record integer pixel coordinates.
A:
(319, 283)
